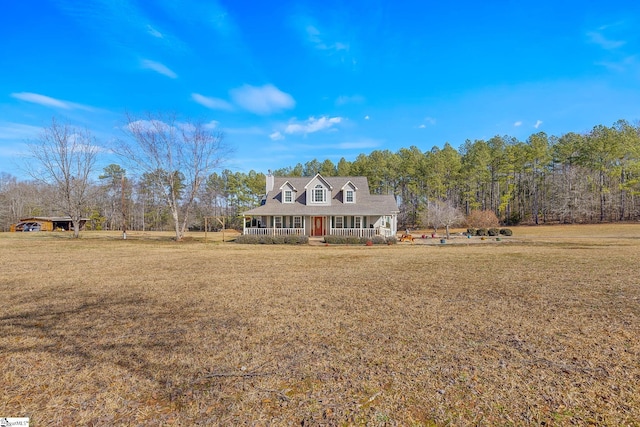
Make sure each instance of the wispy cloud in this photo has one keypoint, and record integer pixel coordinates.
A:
(48, 101)
(427, 121)
(213, 103)
(601, 40)
(320, 41)
(359, 145)
(213, 124)
(155, 33)
(518, 123)
(350, 99)
(312, 125)
(276, 136)
(158, 68)
(538, 123)
(9, 130)
(262, 100)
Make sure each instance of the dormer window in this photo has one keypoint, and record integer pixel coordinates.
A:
(350, 196)
(287, 196)
(319, 194)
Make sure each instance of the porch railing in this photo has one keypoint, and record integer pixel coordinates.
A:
(275, 231)
(357, 232)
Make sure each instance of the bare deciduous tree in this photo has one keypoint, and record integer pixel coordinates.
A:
(179, 155)
(64, 159)
(443, 214)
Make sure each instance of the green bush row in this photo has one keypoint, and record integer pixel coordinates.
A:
(272, 240)
(354, 240)
(489, 231)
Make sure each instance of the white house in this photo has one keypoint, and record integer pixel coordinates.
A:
(322, 206)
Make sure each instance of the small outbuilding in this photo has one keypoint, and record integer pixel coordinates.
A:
(46, 223)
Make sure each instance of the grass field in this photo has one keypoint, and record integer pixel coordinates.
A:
(540, 329)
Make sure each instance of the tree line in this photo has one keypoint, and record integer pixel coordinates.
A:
(170, 178)
(573, 178)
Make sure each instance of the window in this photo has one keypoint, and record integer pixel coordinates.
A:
(339, 222)
(288, 196)
(277, 222)
(357, 223)
(297, 222)
(319, 194)
(349, 196)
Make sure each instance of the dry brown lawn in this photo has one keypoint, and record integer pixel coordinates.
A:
(540, 329)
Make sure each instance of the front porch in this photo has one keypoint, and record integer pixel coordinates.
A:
(351, 232)
(317, 226)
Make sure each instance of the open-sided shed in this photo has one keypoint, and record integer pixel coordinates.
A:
(46, 223)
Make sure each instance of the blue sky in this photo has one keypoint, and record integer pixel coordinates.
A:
(290, 81)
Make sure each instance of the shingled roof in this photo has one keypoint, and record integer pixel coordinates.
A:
(366, 203)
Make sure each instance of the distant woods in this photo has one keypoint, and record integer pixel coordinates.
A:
(586, 178)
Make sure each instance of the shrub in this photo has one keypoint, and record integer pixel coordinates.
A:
(493, 232)
(271, 240)
(506, 232)
(296, 240)
(247, 239)
(354, 240)
(484, 219)
(392, 240)
(482, 232)
(472, 231)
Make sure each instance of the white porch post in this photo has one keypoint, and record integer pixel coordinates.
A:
(244, 225)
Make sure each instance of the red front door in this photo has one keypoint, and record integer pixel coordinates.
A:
(318, 229)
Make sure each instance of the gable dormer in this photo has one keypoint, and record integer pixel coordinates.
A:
(318, 191)
(349, 192)
(288, 193)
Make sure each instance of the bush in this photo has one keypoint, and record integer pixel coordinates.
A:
(271, 240)
(342, 240)
(472, 231)
(482, 232)
(354, 240)
(392, 240)
(247, 239)
(506, 232)
(296, 240)
(493, 232)
(484, 219)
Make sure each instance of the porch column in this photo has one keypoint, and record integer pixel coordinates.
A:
(244, 225)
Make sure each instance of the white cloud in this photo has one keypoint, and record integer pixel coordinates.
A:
(367, 117)
(158, 68)
(518, 123)
(213, 103)
(47, 101)
(262, 100)
(422, 126)
(276, 136)
(312, 125)
(538, 123)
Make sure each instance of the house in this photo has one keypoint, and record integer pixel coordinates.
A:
(42, 223)
(320, 206)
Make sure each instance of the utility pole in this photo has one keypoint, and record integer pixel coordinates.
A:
(124, 213)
